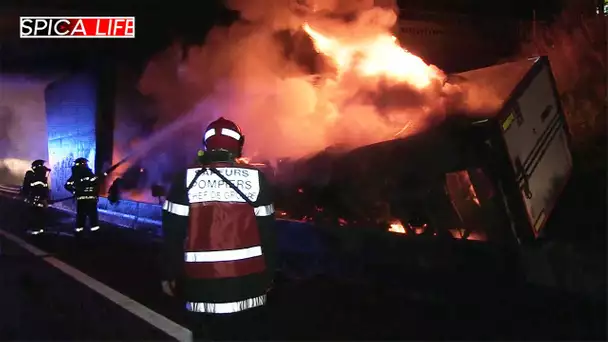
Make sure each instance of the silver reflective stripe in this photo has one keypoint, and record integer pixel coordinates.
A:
(226, 255)
(230, 133)
(177, 209)
(264, 210)
(225, 131)
(86, 198)
(221, 308)
(209, 133)
(39, 183)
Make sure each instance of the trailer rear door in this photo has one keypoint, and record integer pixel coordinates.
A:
(536, 137)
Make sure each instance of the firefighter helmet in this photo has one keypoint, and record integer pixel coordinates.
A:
(81, 162)
(37, 163)
(223, 135)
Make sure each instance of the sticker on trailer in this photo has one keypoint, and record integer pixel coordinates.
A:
(209, 187)
(539, 221)
(508, 121)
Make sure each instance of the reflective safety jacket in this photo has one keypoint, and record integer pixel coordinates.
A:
(83, 184)
(35, 188)
(220, 247)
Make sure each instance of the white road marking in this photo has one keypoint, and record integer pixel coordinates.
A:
(161, 322)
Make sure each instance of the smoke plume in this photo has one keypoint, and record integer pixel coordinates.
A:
(300, 76)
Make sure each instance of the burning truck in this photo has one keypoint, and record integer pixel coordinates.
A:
(410, 152)
(490, 168)
(490, 177)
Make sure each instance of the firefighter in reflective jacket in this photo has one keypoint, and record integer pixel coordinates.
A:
(219, 243)
(35, 191)
(85, 186)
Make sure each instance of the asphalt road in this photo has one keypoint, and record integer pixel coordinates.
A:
(41, 302)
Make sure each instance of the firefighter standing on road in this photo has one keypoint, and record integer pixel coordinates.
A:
(219, 242)
(85, 186)
(35, 191)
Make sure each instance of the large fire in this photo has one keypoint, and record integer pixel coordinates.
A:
(361, 87)
(373, 70)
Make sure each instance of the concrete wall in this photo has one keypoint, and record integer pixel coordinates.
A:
(23, 132)
(71, 105)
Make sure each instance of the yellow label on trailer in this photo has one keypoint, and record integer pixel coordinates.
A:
(508, 122)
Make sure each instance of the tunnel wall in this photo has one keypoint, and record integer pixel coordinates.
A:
(71, 107)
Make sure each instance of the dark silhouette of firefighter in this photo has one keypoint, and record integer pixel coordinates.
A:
(219, 242)
(84, 184)
(35, 191)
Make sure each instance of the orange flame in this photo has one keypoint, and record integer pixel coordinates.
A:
(397, 227)
(378, 56)
(247, 160)
(372, 62)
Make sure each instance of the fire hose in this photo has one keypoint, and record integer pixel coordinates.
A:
(101, 176)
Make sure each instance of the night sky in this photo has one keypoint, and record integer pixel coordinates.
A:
(157, 24)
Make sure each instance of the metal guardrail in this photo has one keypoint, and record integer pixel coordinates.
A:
(10, 189)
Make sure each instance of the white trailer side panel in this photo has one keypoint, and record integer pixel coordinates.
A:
(537, 142)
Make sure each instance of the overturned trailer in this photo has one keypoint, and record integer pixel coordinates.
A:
(493, 178)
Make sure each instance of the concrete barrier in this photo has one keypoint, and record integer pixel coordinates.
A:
(125, 214)
(298, 237)
(303, 243)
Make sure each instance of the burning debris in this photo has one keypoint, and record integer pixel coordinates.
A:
(455, 180)
(409, 186)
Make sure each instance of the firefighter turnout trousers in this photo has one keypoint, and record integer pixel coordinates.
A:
(37, 219)
(248, 325)
(86, 208)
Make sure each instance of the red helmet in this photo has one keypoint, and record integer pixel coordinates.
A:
(225, 135)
